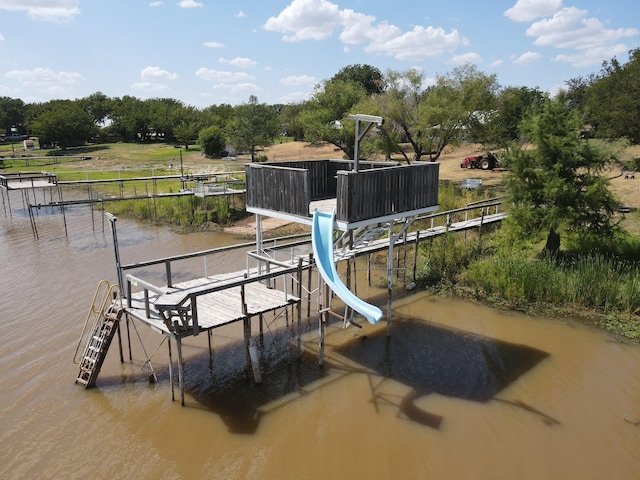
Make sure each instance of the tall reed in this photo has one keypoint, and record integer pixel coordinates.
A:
(594, 282)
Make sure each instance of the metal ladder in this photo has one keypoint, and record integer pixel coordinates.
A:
(106, 316)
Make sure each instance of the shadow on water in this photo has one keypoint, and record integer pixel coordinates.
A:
(424, 357)
(435, 359)
(237, 399)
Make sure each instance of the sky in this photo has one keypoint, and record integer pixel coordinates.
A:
(208, 52)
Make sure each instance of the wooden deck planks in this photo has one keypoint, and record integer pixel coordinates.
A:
(217, 308)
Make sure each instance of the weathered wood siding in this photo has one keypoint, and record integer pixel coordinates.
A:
(381, 192)
(322, 173)
(377, 190)
(278, 189)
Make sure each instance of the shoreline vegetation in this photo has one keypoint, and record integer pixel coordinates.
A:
(599, 288)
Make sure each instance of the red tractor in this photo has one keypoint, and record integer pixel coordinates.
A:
(485, 162)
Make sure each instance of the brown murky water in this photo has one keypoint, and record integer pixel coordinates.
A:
(458, 391)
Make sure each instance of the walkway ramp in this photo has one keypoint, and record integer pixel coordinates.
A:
(322, 242)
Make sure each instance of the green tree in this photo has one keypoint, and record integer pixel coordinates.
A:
(613, 99)
(455, 106)
(399, 105)
(255, 125)
(429, 119)
(514, 104)
(212, 140)
(131, 118)
(556, 186)
(12, 114)
(99, 106)
(290, 120)
(325, 116)
(64, 122)
(368, 77)
(164, 115)
(186, 132)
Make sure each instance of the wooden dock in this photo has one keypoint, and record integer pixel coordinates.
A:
(200, 305)
(220, 300)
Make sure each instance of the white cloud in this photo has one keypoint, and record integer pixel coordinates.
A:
(1, 38)
(306, 19)
(528, 10)
(157, 72)
(240, 14)
(240, 62)
(571, 28)
(222, 77)
(47, 11)
(419, 44)
(470, 57)
(320, 19)
(155, 4)
(213, 45)
(46, 82)
(149, 87)
(44, 77)
(496, 63)
(238, 88)
(592, 56)
(298, 80)
(526, 58)
(189, 4)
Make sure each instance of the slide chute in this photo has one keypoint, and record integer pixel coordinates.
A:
(322, 242)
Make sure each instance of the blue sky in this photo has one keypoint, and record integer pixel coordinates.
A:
(205, 52)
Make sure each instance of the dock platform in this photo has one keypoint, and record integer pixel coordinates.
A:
(228, 302)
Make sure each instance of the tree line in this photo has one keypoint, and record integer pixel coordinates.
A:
(420, 118)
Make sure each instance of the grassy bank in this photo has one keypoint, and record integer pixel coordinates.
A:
(601, 288)
(185, 214)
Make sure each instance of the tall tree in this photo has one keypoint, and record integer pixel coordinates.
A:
(556, 186)
(12, 114)
(430, 118)
(613, 99)
(514, 104)
(458, 102)
(255, 125)
(164, 115)
(131, 118)
(368, 77)
(99, 106)
(324, 117)
(212, 140)
(64, 122)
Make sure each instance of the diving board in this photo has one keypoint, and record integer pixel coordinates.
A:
(322, 243)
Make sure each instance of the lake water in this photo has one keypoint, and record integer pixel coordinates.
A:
(458, 390)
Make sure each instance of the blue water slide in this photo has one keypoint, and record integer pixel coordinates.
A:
(322, 241)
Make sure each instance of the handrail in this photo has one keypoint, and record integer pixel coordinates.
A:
(109, 289)
(204, 253)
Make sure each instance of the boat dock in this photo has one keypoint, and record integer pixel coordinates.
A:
(375, 206)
